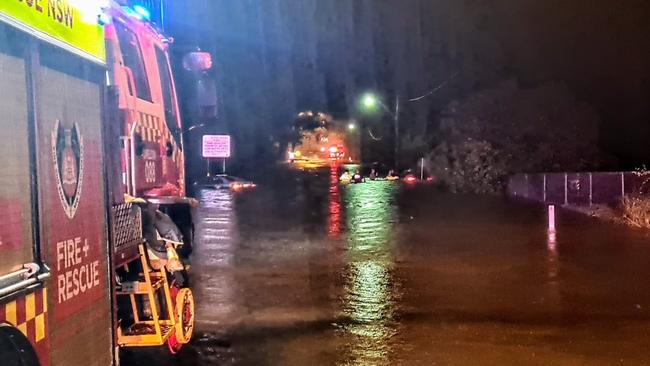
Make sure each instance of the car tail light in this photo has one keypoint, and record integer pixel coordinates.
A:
(410, 179)
(237, 186)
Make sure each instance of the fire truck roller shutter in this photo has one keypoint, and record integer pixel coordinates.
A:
(73, 207)
(15, 199)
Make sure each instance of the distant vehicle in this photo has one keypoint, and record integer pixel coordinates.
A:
(357, 178)
(223, 181)
(346, 177)
(413, 179)
(410, 179)
(336, 152)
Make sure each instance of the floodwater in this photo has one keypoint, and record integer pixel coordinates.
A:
(306, 272)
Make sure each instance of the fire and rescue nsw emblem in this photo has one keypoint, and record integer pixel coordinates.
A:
(68, 158)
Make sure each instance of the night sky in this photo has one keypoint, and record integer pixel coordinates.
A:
(277, 57)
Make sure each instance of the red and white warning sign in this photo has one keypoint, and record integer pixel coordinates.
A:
(216, 146)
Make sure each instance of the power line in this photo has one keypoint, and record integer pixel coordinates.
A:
(373, 136)
(430, 92)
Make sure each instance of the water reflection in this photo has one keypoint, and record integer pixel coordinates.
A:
(216, 238)
(370, 215)
(552, 296)
(551, 246)
(334, 218)
(370, 297)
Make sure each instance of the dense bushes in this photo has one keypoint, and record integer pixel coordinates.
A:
(507, 129)
(636, 211)
(636, 207)
(468, 166)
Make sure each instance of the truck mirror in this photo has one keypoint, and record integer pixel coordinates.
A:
(205, 89)
(197, 61)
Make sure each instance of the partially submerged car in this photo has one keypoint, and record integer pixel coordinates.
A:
(223, 181)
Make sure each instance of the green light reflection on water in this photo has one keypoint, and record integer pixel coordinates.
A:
(369, 300)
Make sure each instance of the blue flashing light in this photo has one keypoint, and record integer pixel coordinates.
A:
(103, 19)
(130, 12)
(144, 13)
(138, 12)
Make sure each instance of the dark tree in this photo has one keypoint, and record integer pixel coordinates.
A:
(508, 129)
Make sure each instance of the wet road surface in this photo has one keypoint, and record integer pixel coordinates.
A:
(307, 272)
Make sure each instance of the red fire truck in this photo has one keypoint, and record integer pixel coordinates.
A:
(89, 116)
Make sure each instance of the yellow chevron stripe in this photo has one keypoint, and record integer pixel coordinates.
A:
(10, 313)
(30, 306)
(40, 327)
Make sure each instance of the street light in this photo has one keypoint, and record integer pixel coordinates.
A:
(370, 101)
(352, 127)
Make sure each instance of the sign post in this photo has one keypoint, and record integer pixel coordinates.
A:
(216, 147)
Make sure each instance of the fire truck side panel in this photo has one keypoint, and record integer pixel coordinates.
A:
(27, 310)
(15, 200)
(72, 208)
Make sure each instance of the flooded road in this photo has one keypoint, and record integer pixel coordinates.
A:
(308, 272)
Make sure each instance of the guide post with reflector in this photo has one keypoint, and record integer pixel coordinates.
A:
(551, 222)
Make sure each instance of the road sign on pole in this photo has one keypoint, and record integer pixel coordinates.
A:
(216, 146)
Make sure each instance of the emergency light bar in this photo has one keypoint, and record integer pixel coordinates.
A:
(151, 11)
(138, 12)
(143, 12)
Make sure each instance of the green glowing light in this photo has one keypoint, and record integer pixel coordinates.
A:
(369, 101)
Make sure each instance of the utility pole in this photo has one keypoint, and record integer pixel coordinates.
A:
(370, 101)
(396, 125)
